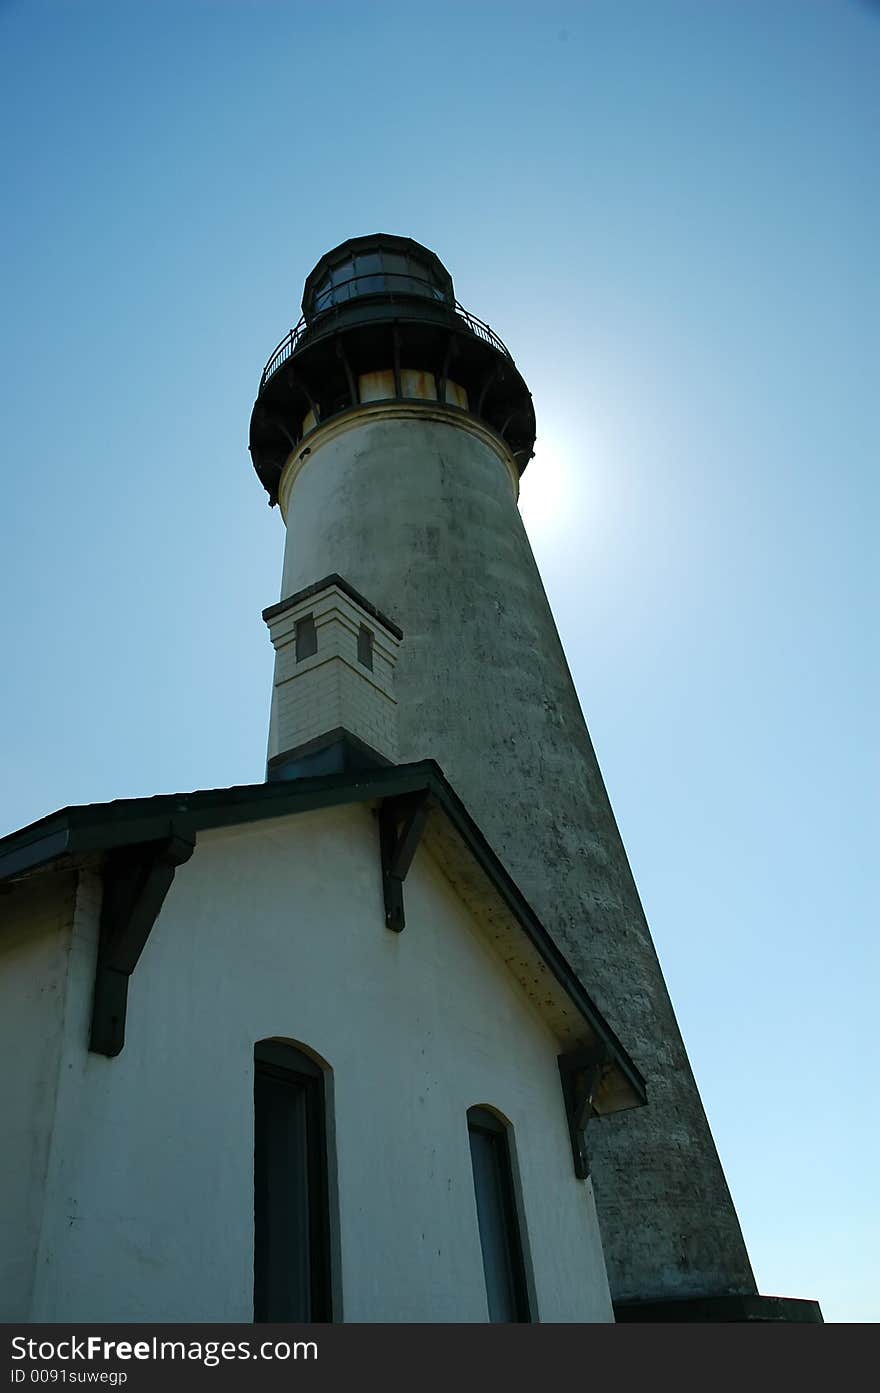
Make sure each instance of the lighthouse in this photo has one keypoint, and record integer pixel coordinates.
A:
(392, 427)
(393, 1012)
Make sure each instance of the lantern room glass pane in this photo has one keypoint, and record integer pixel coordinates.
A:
(368, 263)
(379, 272)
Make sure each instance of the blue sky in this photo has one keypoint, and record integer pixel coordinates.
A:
(669, 210)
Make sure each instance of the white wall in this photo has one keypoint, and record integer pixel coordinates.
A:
(36, 926)
(277, 930)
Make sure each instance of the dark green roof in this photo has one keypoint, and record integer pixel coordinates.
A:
(68, 836)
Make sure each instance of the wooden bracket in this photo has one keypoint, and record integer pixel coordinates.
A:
(136, 881)
(401, 824)
(581, 1072)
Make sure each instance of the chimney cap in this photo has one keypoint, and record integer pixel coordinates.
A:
(327, 583)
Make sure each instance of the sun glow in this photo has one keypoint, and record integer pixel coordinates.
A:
(554, 496)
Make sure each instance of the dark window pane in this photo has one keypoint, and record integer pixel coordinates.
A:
(365, 647)
(343, 272)
(341, 283)
(367, 263)
(369, 285)
(282, 1218)
(496, 1214)
(413, 285)
(291, 1220)
(306, 638)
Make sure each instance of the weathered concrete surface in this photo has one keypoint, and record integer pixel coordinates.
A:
(419, 514)
(37, 927)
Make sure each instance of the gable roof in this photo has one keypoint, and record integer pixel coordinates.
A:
(74, 836)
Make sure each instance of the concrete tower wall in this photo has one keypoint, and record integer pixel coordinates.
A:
(416, 506)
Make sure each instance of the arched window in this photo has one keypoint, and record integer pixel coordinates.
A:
(500, 1240)
(291, 1208)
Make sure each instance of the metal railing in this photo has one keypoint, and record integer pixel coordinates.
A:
(481, 330)
(288, 345)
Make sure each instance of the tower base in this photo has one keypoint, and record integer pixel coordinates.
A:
(788, 1310)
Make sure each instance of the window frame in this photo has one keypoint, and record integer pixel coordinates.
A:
(487, 1123)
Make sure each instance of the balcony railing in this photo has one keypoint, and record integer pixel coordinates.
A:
(289, 344)
(285, 349)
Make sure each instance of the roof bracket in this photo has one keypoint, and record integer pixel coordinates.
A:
(581, 1072)
(136, 881)
(401, 824)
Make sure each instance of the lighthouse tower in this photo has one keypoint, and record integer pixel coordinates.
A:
(392, 427)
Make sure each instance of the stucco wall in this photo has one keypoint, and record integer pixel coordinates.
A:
(420, 516)
(36, 927)
(277, 930)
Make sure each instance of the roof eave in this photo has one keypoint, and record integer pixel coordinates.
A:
(79, 831)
